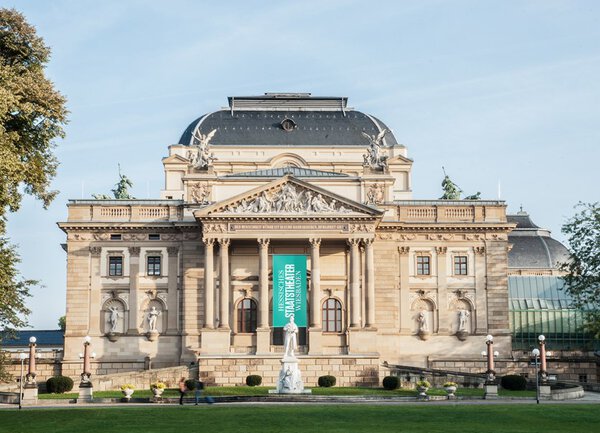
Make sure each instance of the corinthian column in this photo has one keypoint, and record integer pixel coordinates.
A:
(315, 283)
(263, 283)
(209, 284)
(370, 283)
(354, 283)
(224, 271)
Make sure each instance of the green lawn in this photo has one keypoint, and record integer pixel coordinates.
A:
(422, 418)
(264, 390)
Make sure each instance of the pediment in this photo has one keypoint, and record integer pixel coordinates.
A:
(288, 196)
(175, 159)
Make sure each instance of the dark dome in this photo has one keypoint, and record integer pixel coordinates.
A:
(532, 246)
(324, 121)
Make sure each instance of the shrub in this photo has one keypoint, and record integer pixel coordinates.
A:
(391, 382)
(59, 384)
(327, 381)
(190, 384)
(514, 382)
(253, 380)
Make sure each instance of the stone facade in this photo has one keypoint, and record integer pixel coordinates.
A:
(384, 258)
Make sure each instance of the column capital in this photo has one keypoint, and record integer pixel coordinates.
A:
(263, 242)
(95, 251)
(172, 251)
(353, 242)
(224, 242)
(403, 250)
(441, 250)
(315, 242)
(368, 242)
(209, 242)
(479, 250)
(134, 251)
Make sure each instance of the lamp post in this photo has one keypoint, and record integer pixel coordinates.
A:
(491, 387)
(85, 386)
(536, 354)
(28, 392)
(543, 370)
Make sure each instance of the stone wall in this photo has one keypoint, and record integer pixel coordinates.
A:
(232, 371)
(47, 366)
(143, 379)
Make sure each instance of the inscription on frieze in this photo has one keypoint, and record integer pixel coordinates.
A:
(234, 227)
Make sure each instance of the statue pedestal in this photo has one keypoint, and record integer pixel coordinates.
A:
(490, 392)
(290, 378)
(545, 392)
(86, 392)
(30, 394)
(151, 335)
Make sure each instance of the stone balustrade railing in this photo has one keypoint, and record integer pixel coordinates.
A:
(480, 211)
(125, 210)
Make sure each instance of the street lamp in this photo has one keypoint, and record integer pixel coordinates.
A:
(31, 385)
(536, 354)
(491, 388)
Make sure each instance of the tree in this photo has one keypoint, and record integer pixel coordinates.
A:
(62, 323)
(32, 116)
(582, 279)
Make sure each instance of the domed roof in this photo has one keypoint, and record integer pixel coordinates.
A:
(288, 120)
(532, 246)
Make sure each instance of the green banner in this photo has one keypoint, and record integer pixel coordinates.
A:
(289, 289)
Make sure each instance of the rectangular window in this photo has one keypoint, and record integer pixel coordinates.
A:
(154, 237)
(115, 266)
(114, 237)
(154, 265)
(460, 265)
(423, 265)
(583, 378)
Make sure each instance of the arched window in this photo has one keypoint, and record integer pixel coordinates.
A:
(332, 315)
(247, 321)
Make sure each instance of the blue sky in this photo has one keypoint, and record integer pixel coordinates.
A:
(497, 92)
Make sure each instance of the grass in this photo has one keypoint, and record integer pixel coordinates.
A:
(264, 390)
(425, 417)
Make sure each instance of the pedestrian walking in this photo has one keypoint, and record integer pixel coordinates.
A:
(182, 390)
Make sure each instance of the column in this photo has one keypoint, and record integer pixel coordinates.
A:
(370, 283)
(354, 283)
(315, 283)
(95, 295)
(209, 284)
(224, 285)
(173, 270)
(263, 284)
(405, 316)
(134, 272)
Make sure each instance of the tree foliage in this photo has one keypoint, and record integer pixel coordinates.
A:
(32, 116)
(582, 279)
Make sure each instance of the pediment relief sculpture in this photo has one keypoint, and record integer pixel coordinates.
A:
(288, 199)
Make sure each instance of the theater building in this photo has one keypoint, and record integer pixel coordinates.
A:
(189, 277)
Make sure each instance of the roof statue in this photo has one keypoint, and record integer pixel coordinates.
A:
(121, 191)
(451, 190)
(201, 157)
(376, 156)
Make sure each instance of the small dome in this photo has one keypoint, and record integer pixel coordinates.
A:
(532, 246)
(288, 120)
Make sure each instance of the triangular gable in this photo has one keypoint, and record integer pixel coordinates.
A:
(175, 159)
(288, 196)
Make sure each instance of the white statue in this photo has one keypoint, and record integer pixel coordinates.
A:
(463, 321)
(376, 156)
(201, 157)
(113, 319)
(152, 317)
(291, 338)
(422, 320)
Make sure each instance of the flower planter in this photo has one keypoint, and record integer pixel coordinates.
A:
(157, 392)
(422, 391)
(450, 390)
(127, 393)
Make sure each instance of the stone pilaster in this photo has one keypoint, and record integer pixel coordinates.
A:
(405, 319)
(209, 284)
(134, 274)
(315, 283)
(480, 325)
(173, 270)
(224, 283)
(355, 303)
(95, 291)
(442, 284)
(263, 333)
(370, 283)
